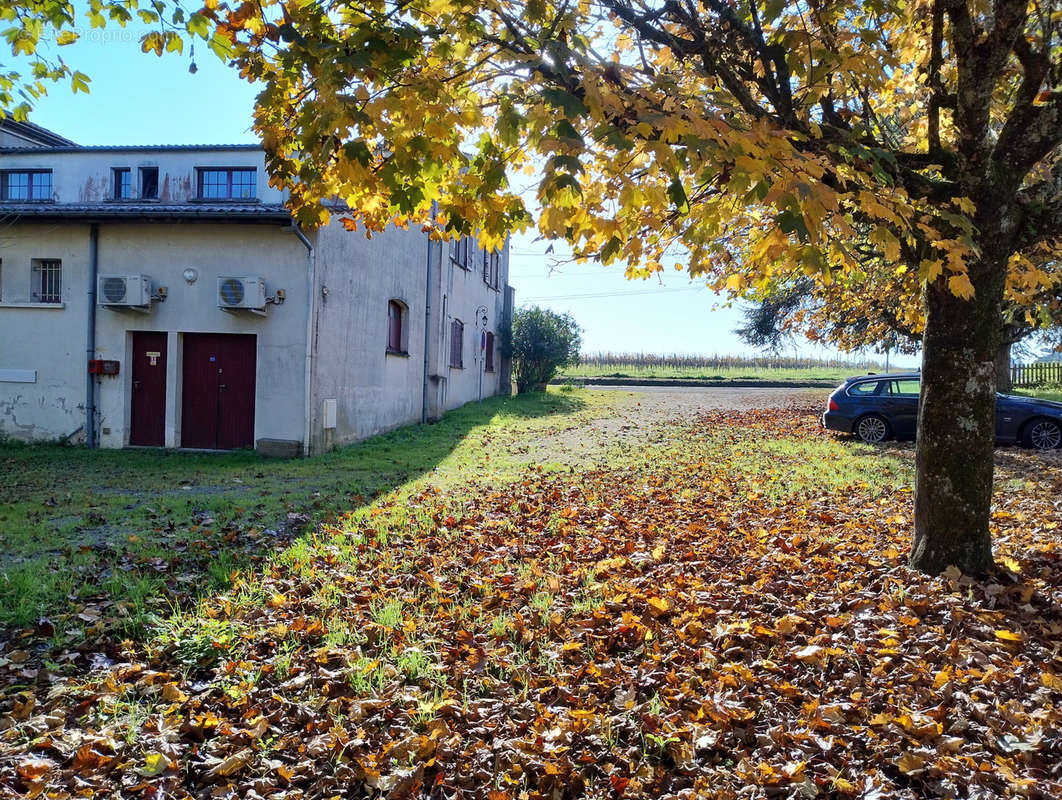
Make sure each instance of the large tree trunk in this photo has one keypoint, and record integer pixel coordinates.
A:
(956, 424)
(1003, 377)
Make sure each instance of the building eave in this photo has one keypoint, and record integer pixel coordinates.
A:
(241, 213)
(147, 148)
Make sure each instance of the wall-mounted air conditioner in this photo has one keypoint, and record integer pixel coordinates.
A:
(248, 293)
(124, 291)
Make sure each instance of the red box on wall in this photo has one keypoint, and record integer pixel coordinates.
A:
(99, 366)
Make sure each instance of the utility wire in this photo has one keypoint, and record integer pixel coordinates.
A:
(628, 293)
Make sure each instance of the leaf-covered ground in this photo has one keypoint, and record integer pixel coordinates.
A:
(721, 611)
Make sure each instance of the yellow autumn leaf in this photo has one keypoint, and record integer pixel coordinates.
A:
(658, 605)
(154, 764)
(960, 286)
(1009, 636)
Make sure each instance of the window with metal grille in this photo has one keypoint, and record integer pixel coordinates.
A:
(26, 185)
(486, 266)
(488, 360)
(396, 312)
(149, 183)
(47, 281)
(457, 343)
(123, 183)
(227, 183)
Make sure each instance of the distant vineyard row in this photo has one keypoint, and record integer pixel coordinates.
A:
(652, 361)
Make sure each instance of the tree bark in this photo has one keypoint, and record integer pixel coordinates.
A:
(956, 423)
(1003, 378)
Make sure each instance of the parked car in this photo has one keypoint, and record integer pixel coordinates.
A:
(879, 407)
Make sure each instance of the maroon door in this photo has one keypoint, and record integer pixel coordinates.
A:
(217, 399)
(147, 417)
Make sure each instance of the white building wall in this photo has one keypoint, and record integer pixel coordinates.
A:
(374, 390)
(43, 358)
(466, 297)
(86, 176)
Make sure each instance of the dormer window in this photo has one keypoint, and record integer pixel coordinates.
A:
(149, 183)
(123, 183)
(227, 183)
(31, 186)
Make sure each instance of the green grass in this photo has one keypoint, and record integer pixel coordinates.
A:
(135, 529)
(1051, 391)
(116, 541)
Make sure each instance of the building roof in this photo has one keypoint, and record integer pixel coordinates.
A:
(34, 133)
(148, 212)
(70, 147)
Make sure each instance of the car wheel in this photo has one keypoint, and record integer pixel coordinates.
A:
(1042, 434)
(872, 429)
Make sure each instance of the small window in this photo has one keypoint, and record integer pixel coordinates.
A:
(396, 327)
(26, 185)
(867, 388)
(123, 183)
(457, 344)
(486, 266)
(149, 183)
(489, 356)
(227, 183)
(47, 284)
(905, 388)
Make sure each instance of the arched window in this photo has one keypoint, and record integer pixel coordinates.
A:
(488, 362)
(396, 327)
(457, 343)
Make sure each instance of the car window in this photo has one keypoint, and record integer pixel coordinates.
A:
(906, 388)
(867, 388)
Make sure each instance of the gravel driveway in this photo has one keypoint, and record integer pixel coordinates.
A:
(633, 416)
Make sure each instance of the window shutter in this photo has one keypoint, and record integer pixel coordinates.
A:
(457, 334)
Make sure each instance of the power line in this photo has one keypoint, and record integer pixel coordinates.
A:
(628, 293)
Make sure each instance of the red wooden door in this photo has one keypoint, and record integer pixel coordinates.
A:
(236, 384)
(217, 399)
(147, 417)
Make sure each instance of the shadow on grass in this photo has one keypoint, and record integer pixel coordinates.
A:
(95, 542)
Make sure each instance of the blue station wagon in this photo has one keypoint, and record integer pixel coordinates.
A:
(879, 407)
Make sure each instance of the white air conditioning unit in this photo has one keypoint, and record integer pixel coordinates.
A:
(123, 291)
(241, 293)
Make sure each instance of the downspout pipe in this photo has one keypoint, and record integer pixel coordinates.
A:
(311, 284)
(427, 324)
(90, 338)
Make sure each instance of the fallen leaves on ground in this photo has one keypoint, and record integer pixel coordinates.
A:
(665, 629)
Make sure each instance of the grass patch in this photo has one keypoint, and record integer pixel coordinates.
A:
(1048, 391)
(136, 531)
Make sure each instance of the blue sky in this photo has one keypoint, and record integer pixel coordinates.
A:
(141, 99)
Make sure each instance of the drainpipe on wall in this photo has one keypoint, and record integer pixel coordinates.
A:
(90, 380)
(311, 284)
(427, 326)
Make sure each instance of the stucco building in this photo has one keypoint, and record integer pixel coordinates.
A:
(161, 296)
